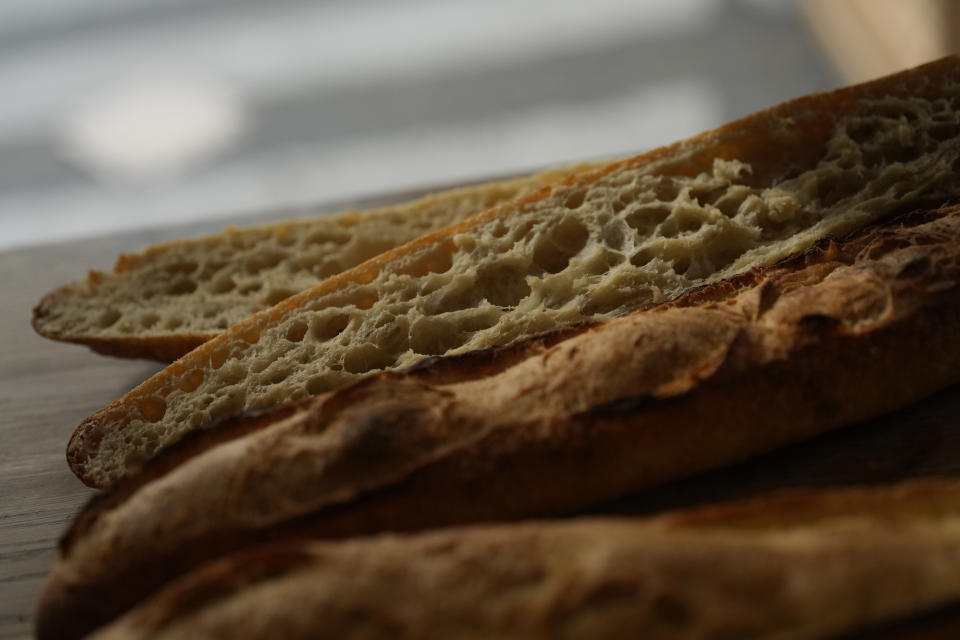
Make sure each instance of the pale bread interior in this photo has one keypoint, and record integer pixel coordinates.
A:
(201, 286)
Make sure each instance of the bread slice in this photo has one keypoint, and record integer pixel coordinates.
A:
(842, 332)
(800, 565)
(595, 246)
(169, 298)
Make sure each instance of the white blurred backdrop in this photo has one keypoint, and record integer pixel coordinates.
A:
(119, 115)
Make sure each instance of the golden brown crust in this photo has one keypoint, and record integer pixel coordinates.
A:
(841, 333)
(827, 573)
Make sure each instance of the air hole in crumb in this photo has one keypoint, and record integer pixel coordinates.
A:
(277, 374)
(642, 257)
(680, 265)
(522, 230)
(729, 203)
(861, 131)
(502, 285)
(152, 408)
(688, 223)
(365, 300)
(666, 190)
(324, 329)
(707, 196)
(191, 381)
(250, 287)
(435, 336)
(645, 219)
(181, 286)
(323, 236)
(438, 260)
(262, 260)
(366, 357)
(223, 284)
(499, 230)
(173, 323)
(601, 261)
(296, 330)
(108, 318)
(556, 245)
(277, 295)
(322, 383)
(148, 320)
(575, 199)
(183, 268)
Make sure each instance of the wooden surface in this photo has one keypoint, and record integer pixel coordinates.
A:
(46, 388)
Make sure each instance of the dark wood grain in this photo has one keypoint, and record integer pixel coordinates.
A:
(46, 388)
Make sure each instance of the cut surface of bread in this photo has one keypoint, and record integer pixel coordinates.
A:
(167, 299)
(842, 332)
(594, 246)
(820, 564)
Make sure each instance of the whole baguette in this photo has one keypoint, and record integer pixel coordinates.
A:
(797, 566)
(594, 246)
(842, 332)
(169, 298)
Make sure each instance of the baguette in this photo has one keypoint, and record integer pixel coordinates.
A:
(840, 333)
(169, 298)
(798, 565)
(595, 246)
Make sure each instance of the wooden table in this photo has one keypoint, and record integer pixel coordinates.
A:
(47, 388)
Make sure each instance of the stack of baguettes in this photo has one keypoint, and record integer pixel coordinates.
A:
(349, 410)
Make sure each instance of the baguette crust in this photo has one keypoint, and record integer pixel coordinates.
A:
(819, 564)
(557, 257)
(845, 331)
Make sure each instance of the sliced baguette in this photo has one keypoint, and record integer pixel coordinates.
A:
(595, 246)
(802, 565)
(840, 333)
(169, 298)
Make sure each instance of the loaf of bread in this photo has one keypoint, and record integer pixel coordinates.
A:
(594, 246)
(839, 333)
(169, 298)
(801, 565)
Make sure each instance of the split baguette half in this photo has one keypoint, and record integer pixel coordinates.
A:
(169, 298)
(594, 246)
(799, 565)
(840, 333)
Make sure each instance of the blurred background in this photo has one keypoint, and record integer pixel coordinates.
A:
(121, 115)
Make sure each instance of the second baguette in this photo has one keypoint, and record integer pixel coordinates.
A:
(790, 566)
